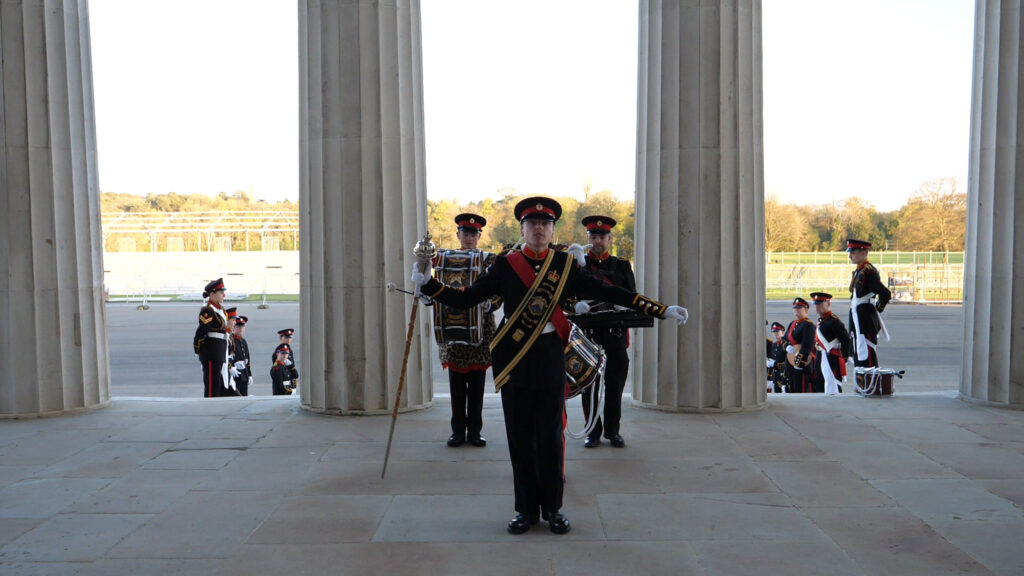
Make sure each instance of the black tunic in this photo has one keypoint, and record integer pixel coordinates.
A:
(242, 355)
(866, 280)
(801, 373)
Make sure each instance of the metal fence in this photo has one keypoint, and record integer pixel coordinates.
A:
(932, 277)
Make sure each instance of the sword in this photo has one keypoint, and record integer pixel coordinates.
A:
(424, 252)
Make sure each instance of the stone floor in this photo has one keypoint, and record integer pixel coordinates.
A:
(920, 483)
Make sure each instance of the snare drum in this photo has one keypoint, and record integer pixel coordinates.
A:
(584, 362)
(875, 381)
(458, 268)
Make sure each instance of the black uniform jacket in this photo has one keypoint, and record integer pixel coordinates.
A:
(802, 332)
(501, 280)
(864, 281)
(211, 348)
(613, 270)
(831, 327)
(242, 355)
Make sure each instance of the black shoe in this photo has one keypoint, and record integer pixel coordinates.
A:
(456, 441)
(616, 441)
(558, 523)
(592, 442)
(521, 523)
(478, 441)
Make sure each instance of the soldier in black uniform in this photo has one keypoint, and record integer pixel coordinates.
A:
(242, 359)
(777, 358)
(868, 297)
(616, 272)
(467, 364)
(211, 340)
(800, 350)
(281, 372)
(285, 337)
(528, 352)
(832, 342)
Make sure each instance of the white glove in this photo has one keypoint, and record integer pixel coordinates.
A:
(677, 313)
(771, 362)
(577, 252)
(419, 278)
(234, 374)
(231, 384)
(240, 365)
(790, 350)
(485, 306)
(582, 307)
(250, 380)
(287, 362)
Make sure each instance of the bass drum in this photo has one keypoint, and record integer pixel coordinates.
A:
(458, 268)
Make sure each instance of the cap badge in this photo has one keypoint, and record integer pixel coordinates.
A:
(539, 206)
(599, 223)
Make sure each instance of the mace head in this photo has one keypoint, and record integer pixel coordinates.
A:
(425, 249)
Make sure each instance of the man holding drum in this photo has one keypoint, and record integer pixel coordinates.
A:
(467, 364)
(528, 351)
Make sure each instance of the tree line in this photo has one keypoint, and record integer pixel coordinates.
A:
(933, 219)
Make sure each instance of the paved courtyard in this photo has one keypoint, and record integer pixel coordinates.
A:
(920, 483)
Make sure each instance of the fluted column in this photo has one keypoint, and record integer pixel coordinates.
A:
(700, 204)
(994, 272)
(53, 334)
(362, 202)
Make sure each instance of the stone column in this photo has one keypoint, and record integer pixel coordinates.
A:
(362, 203)
(700, 204)
(994, 273)
(53, 332)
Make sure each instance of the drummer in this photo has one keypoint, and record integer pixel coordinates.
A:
(528, 352)
(467, 364)
(617, 272)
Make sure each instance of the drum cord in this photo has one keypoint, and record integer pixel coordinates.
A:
(596, 398)
(872, 379)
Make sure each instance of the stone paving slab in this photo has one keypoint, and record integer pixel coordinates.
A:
(914, 484)
(72, 538)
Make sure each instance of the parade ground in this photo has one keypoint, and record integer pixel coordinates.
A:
(164, 482)
(151, 350)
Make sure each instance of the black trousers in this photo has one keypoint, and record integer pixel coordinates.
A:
(242, 383)
(467, 389)
(614, 343)
(872, 360)
(213, 382)
(533, 401)
(803, 381)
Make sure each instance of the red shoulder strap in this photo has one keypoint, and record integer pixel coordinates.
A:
(528, 276)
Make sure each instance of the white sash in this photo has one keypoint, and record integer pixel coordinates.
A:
(862, 342)
(831, 383)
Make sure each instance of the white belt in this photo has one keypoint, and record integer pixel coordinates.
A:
(217, 335)
(549, 327)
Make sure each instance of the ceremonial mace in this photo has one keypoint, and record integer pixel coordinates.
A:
(424, 251)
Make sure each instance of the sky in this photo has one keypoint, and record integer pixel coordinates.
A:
(862, 98)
